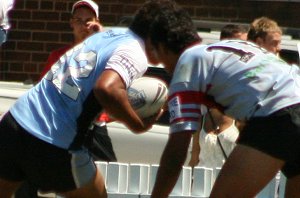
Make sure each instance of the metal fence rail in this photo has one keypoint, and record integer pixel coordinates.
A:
(137, 180)
(125, 180)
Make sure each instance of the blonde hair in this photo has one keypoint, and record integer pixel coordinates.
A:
(260, 27)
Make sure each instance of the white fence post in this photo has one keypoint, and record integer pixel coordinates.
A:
(138, 178)
(117, 175)
(102, 166)
(203, 181)
(183, 184)
(282, 184)
(152, 177)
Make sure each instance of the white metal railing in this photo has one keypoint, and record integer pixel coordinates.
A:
(137, 180)
(124, 180)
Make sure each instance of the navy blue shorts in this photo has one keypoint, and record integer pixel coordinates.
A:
(277, 135)
(50, 168)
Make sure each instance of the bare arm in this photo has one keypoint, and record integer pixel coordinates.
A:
(110, 91)
(194, 161)
(171, 164)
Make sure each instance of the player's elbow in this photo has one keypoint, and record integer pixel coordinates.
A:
(101, 92)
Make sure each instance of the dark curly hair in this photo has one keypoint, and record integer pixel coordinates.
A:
(173, 27)
(144, 16)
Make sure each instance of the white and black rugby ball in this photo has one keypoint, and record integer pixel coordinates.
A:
(147, 95)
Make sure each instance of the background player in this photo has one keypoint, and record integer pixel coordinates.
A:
(266, 33)
(215, 139)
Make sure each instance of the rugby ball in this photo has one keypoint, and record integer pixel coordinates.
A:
(147, 95)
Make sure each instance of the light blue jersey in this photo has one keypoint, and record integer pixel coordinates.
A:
(63, 103)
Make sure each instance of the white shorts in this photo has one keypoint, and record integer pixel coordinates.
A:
(211, 155)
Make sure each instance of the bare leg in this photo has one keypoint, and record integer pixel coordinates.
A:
(292, 187)
(8, 188)
(94, 189)
(245, 173)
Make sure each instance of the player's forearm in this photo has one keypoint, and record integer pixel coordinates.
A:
(116, 104)
(166, 179)
(171, 164)
(111, 93)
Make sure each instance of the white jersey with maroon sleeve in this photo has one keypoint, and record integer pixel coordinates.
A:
(238, 76)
